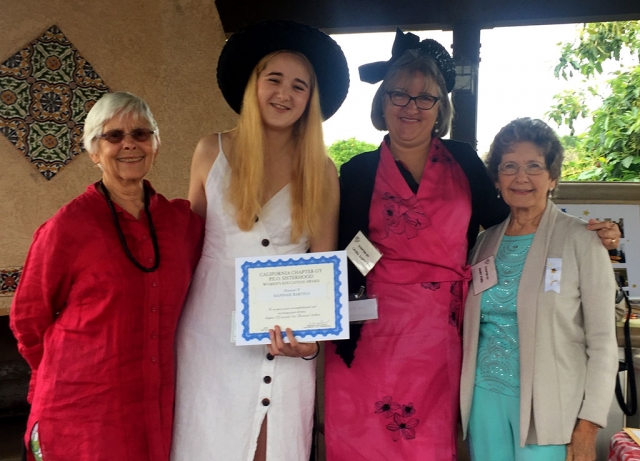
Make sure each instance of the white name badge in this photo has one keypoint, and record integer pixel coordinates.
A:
(363, 309)
(484, 275)
(553, 273)
(362, 253)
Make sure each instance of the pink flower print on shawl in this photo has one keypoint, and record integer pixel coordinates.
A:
(403, 216)
(386, 407)
(402, 427)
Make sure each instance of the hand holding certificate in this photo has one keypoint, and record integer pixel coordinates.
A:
(306, 293)
(292, 348)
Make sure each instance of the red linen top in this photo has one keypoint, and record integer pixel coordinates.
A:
(98, 332)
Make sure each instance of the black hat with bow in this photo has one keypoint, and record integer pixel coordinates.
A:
(376, 71)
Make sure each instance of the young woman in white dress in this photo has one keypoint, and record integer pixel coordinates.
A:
(265, 188)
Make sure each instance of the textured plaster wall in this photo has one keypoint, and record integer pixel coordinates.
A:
(162, 50)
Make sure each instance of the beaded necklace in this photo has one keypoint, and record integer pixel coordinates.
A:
(123, 242)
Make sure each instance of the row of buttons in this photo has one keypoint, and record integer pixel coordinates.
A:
(265, 242)
(267, 379)
(152, 309)
(153, 335)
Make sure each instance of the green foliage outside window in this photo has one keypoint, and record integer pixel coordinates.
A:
(610, 149)
(342, 151)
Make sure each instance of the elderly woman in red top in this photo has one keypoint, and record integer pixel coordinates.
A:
(98, 302)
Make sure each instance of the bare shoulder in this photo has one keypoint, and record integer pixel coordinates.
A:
(206, 152)
(205, 155)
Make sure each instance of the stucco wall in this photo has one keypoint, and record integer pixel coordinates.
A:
(162, 50)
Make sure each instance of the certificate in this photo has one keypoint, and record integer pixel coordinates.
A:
(306, 292)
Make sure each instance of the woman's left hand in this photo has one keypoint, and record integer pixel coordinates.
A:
(293, 348)
(583, 442)
(608, 231)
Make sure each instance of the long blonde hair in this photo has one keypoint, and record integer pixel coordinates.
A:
(247, 185)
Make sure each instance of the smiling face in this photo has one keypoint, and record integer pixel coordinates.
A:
(524, 191)
(283, 91)
(128, 161)
(409, 126)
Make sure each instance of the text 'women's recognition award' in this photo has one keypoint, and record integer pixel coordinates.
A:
(306, 292)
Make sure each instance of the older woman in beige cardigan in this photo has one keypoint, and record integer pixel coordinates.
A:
(540, 353)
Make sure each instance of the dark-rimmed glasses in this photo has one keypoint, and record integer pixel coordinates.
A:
(531, 168)
(402, 99)
(117, 136)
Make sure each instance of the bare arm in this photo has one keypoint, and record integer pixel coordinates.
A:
(205, 154)
(583, 442)
(327, 239)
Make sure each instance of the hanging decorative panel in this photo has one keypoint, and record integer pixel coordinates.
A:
(9, 278)
(46, 90)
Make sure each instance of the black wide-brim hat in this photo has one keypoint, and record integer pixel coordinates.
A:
(247, 47)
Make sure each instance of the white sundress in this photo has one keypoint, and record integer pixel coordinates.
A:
(224, 391)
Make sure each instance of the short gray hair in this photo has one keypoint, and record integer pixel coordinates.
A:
(412, 61)
(116, 104)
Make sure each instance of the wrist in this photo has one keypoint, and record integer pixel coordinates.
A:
(315, 354)
(587, 425)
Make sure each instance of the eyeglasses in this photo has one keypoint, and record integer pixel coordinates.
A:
(423, 101)
(531, 168)
(117, 136)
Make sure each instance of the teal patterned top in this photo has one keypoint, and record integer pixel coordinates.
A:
(498, 364)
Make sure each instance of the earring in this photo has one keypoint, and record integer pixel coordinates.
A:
(550, 193)
(498, 190)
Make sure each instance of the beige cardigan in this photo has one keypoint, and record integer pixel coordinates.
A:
(568, 350)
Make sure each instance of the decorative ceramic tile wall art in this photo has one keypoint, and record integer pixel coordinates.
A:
(9, 278)
(46, 90)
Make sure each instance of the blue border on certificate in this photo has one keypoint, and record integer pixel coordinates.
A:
(292, 262)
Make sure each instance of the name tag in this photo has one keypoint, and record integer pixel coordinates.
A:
(552, 275)
(362, 253)
(484, 275)
(363, 309)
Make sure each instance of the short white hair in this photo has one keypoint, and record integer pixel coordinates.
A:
(116, 104)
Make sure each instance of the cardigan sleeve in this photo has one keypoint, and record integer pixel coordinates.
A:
(597, 293)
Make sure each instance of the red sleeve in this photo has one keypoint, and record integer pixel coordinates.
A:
(41, 294)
